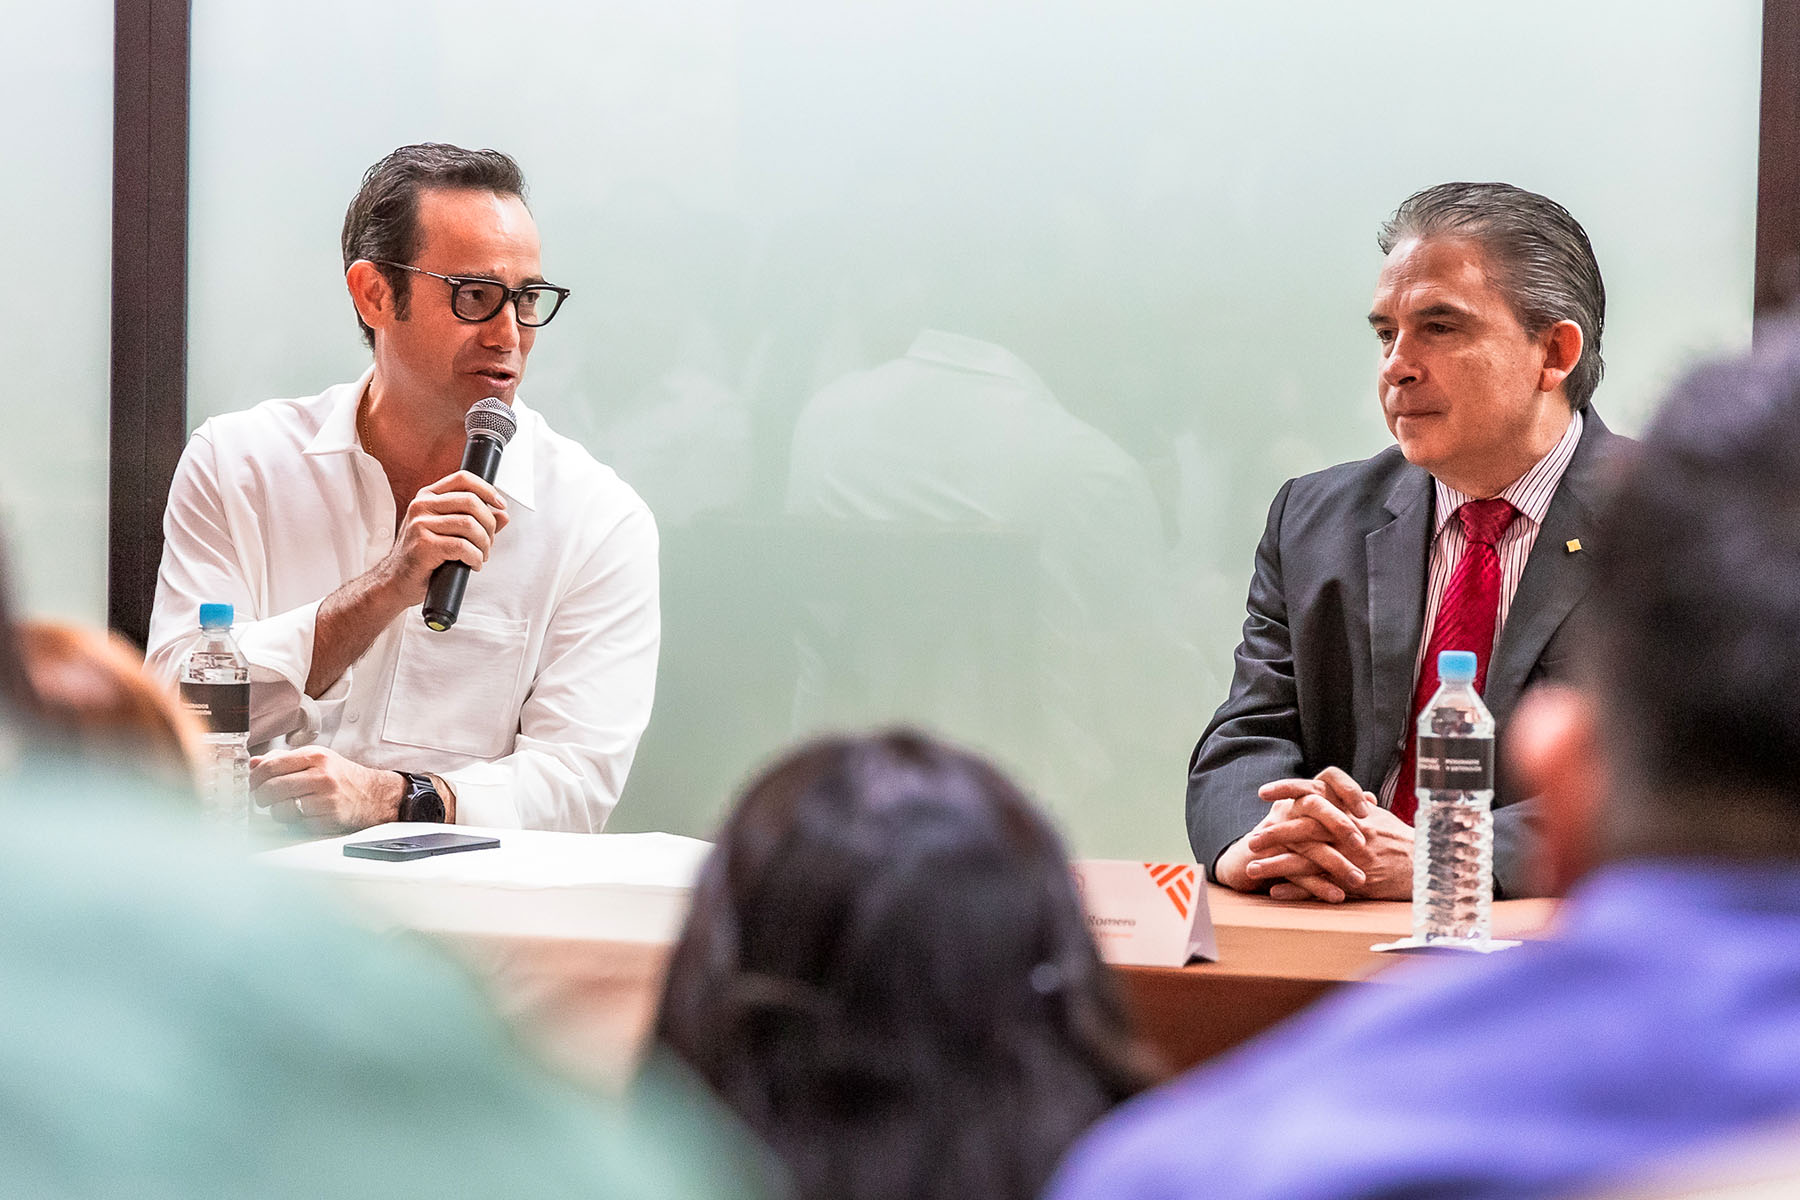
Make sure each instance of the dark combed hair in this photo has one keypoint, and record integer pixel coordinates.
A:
(382, 222)
(886, 973)
(1547, 270)
(1697, 609)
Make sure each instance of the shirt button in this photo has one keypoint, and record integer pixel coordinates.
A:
(353, 718)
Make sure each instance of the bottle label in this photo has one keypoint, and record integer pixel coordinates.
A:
(221, 707)
(1456, 764)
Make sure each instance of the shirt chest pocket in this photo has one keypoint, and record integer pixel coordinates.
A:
(457, 691)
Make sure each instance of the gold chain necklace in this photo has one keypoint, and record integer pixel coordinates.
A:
(362, 423)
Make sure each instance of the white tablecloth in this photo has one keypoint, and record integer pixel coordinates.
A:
(608, 887)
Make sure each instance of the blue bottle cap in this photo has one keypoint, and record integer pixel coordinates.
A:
(1456, 666)
(216, 616)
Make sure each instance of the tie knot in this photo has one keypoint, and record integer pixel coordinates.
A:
(1483, 521)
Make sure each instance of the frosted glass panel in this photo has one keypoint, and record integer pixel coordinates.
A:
(56, 209)
(960, 348)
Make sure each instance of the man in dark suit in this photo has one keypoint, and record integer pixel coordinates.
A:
(1467, 535)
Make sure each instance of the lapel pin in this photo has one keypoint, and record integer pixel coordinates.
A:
(1572, 545)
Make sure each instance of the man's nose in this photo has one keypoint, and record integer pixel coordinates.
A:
(1398, 367)
(501, 331)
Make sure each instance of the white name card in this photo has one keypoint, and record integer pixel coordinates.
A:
(1147, 914)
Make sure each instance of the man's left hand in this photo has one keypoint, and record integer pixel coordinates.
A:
(1386, 859)
(1305, 854)
(322, 786)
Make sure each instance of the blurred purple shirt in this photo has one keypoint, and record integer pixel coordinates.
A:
(1666, 1012)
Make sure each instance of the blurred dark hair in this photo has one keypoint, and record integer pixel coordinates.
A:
(887, 974)
(382, 223)
(1547, 270)
(1697, 609)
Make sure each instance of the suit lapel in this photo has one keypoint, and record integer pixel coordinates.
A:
(1555, 578)
(1397, 556)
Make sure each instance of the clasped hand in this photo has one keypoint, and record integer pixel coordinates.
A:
(1325, 839)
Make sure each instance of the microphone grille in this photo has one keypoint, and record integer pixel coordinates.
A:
(491, 417)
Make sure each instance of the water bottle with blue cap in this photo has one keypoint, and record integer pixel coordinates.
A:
(215, 687)
(1453, 831)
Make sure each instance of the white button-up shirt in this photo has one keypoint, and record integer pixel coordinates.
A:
(531, 706)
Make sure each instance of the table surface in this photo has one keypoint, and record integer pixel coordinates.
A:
(588, 1005)
(1293, 940)
(584, 990)
(1277, 957)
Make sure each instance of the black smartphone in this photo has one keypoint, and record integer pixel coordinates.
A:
(419, 845)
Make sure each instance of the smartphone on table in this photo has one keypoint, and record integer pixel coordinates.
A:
(419, 845)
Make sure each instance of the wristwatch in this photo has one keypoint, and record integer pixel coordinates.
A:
(421, 801)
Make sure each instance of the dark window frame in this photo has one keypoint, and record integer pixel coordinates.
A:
(1778, 160)
(149, 273)
(148, 423)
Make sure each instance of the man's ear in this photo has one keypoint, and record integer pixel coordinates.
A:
(1562, 344)
(371, 293)
(1554, 744)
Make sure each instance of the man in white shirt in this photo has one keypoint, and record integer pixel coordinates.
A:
(322, 519)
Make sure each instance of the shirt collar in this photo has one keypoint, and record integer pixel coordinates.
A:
(337, 433)
(970, 354)
(518, 466)
(1531, 492)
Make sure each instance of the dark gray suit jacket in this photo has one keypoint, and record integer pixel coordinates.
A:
(1325, 671)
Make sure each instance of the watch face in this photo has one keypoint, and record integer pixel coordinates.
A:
(421, 802)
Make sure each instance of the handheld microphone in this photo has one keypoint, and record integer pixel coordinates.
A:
(490, 425)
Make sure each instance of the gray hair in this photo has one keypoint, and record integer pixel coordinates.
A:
(1546, 268)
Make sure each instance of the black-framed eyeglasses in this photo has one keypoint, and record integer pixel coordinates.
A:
(475, 299)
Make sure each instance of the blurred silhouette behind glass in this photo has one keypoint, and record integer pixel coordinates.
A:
(887, 975)
(960, 435)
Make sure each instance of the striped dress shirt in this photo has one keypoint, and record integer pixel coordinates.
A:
(1531, 494)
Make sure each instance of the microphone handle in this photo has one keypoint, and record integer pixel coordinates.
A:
(444, 595)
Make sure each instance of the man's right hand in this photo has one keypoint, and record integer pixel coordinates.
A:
(452, 520)
(1310, 843)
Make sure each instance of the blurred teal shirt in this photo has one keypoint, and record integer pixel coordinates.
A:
(175, 1022)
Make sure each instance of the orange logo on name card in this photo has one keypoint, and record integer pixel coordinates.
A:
(1177, 883)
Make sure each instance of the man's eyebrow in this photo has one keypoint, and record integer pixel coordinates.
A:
(1441, 309)
(1428, 313)
(494, 277)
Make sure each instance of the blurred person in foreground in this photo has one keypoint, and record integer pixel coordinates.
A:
(886, 974)
(1666, 1011)
(1466, 534)
(175, 1022)
(322, 519)
(94, 693)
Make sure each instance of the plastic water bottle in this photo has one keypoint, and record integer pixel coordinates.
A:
(215, 687)
(1453, 830)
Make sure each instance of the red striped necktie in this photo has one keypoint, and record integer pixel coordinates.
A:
(1465, 621)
